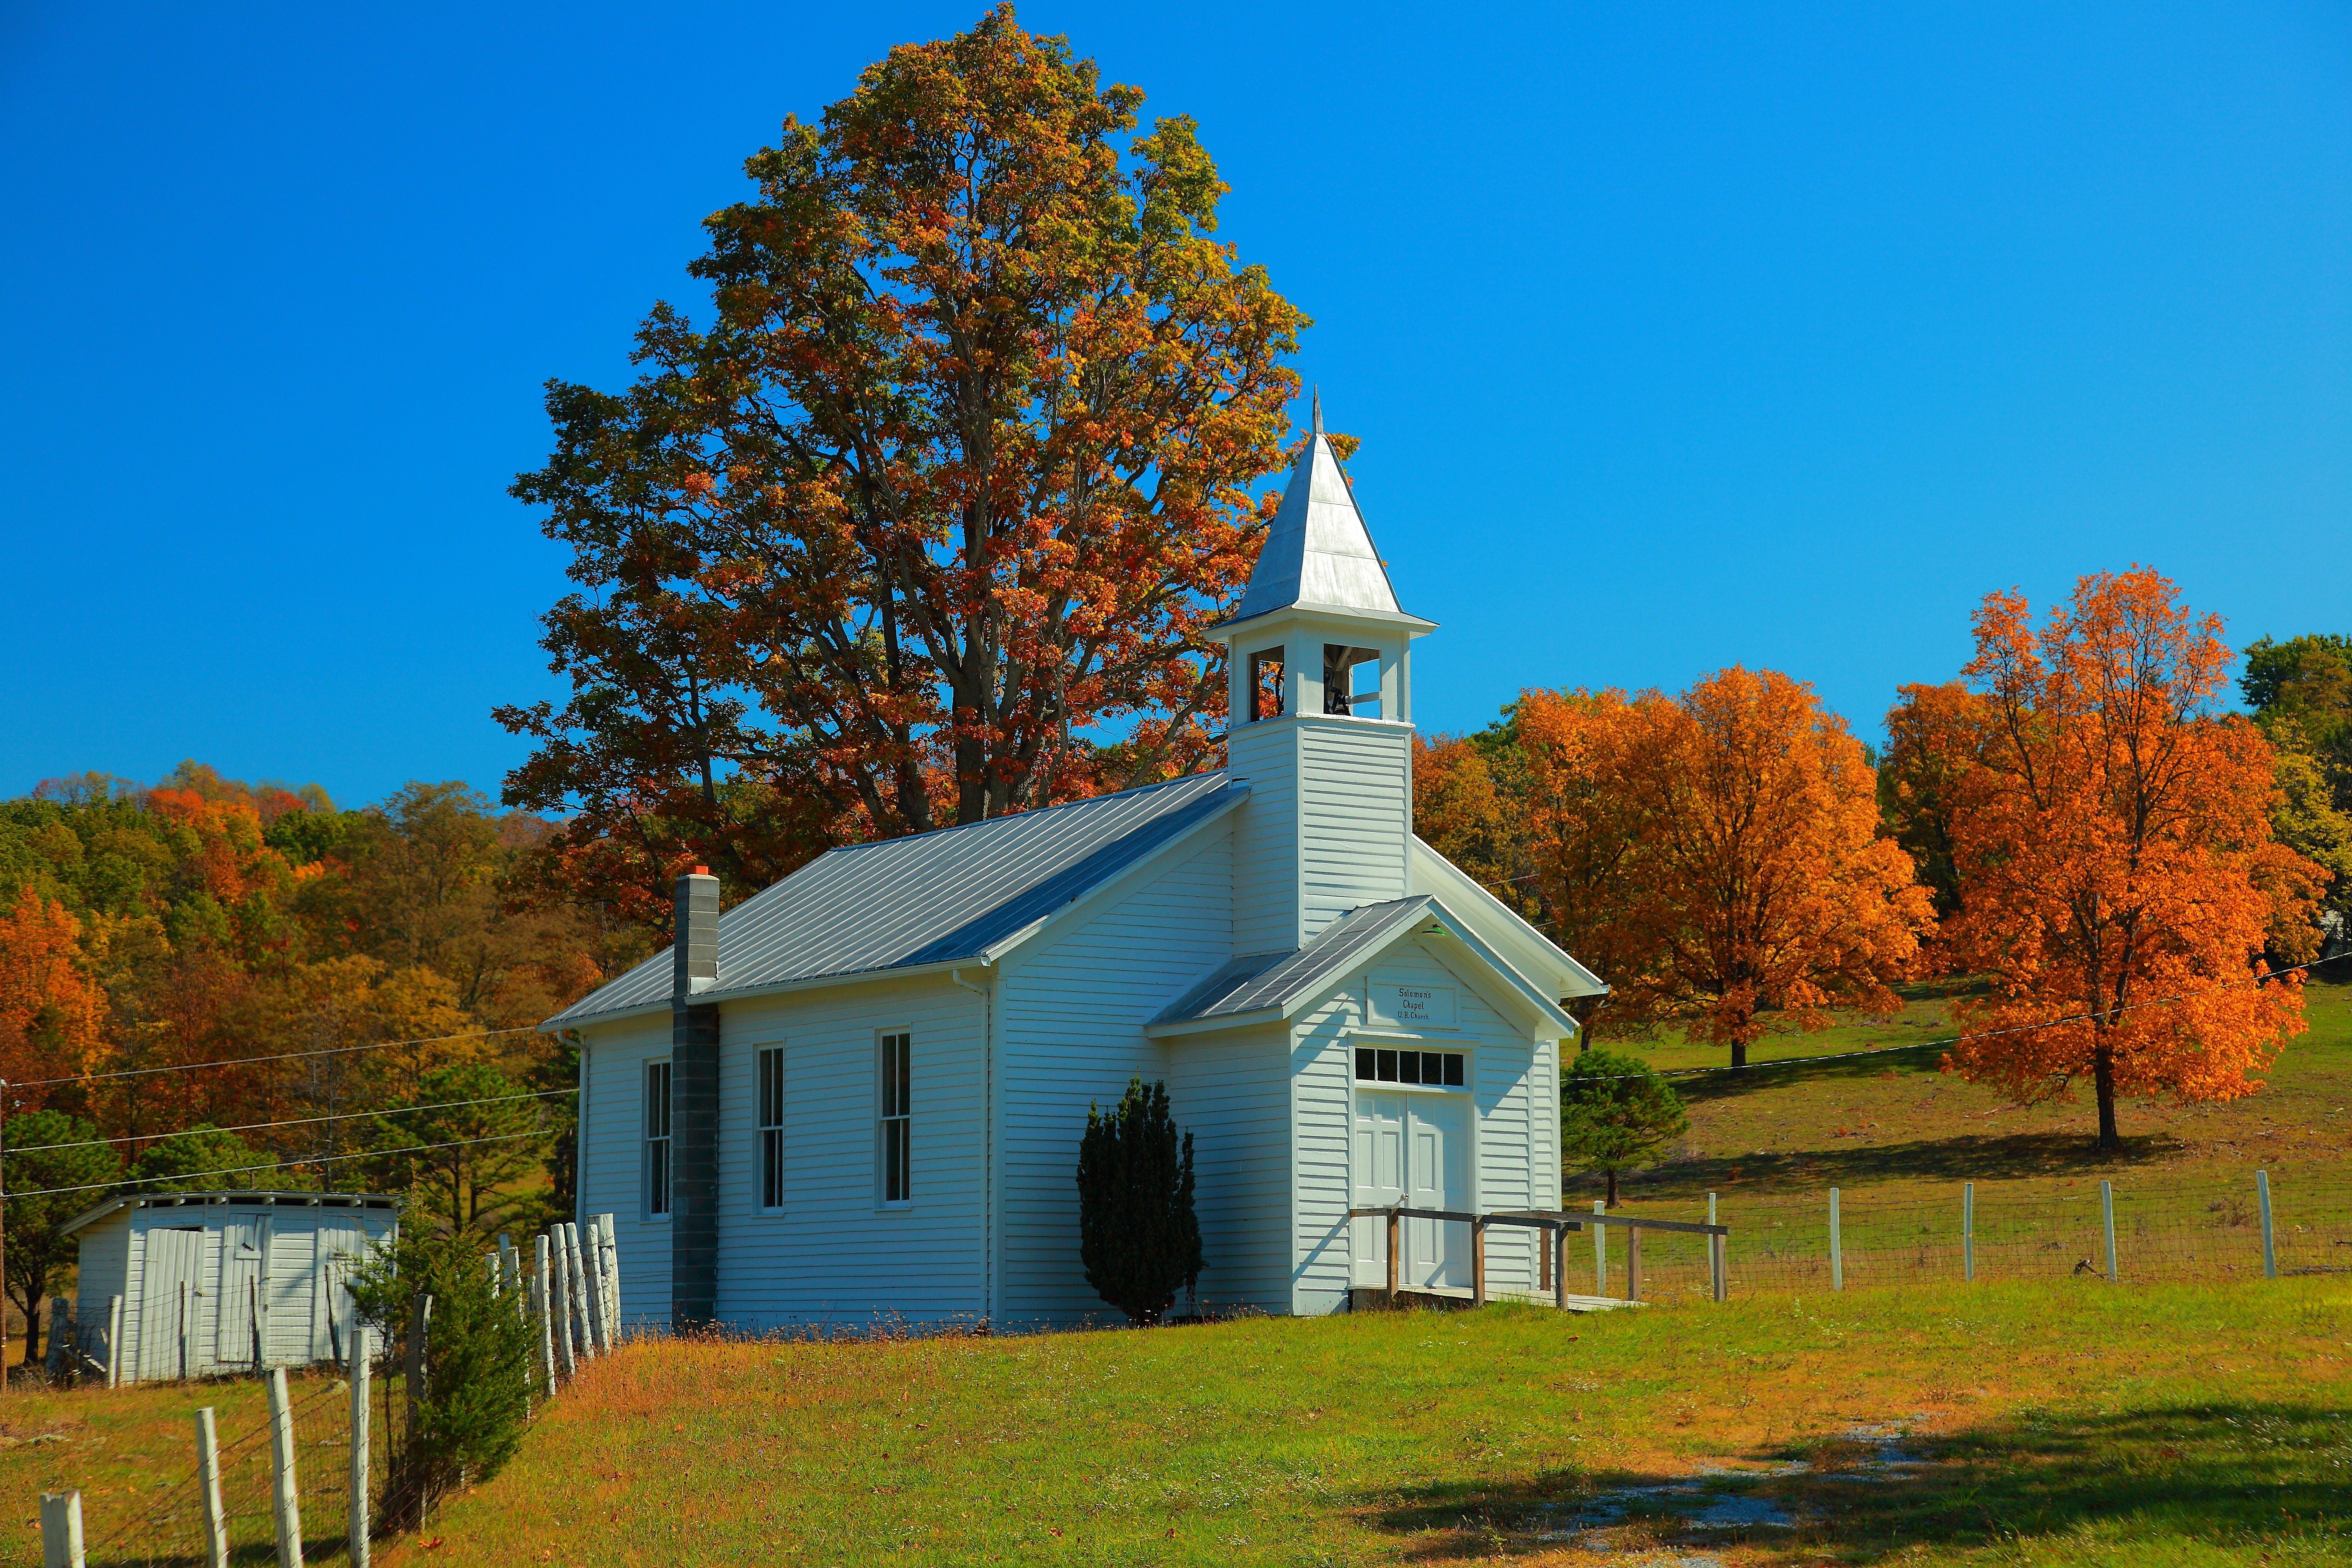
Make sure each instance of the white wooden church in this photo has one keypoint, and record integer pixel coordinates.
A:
(861, 1092)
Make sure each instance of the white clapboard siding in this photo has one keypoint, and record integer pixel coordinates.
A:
(1265, 845)
(104, 1273)
(1072, 1034)
(837, 1255)
(612, 1154)
(1229, 1090)
(1355, 802)
(1322, 1111)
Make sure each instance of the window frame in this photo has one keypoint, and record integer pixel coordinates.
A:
(657, 1165)
(894, 1110)
(768, 1128)
(1448, 1052)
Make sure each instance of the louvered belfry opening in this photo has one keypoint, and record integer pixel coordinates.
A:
(694, 1106)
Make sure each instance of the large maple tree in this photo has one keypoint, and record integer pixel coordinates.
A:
(2116, 866)
(923, 525)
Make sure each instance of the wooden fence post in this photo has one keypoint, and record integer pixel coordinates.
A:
(1837, 1251)
(1633, 1263)
(539, 1289)
(1478, 1261)
(577, 1265)
(285, 1506)
(1599, 1252)
(2270, 1253)
(363, 1372)
(1718, 1272)
(609, 1244)
(560, 1308)
(1558, 1245)
(61, 1530)
(1968, 1231)
(113, 1341)
(208, 1490)
(2108, 1218)
(1396, 1228)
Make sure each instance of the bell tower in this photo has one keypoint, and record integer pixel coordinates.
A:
(1319, 682)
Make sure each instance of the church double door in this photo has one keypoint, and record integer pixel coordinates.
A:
(1413, 1150)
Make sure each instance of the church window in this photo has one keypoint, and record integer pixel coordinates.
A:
(1431, 1069)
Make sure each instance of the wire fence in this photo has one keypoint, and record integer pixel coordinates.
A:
(2165, 1230)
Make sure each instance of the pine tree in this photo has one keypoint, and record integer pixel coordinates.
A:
(1137, 1234)
(1616, 1115)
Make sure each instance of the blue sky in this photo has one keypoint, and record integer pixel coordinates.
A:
(1678, 336)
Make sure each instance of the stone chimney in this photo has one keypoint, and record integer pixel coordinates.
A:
(694, 1105)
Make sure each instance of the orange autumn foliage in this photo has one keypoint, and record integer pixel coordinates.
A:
(1762, 883)
(228, 851)
(50, 1011)
(2114, 856)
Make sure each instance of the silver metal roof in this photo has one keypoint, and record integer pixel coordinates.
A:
(955, 893)
(1317, 551)
(1272, 981)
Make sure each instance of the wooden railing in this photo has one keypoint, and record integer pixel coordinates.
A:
(1552, 1260)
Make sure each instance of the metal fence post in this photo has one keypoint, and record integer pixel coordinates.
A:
(57, 1340)
(1837, 1249)
(286, 1508)
(1968, 1231)
(61, 1530)
(208, 1490)
(2107, 1218)
(1600, 1251)
(362, 1370)
(2270, 1252)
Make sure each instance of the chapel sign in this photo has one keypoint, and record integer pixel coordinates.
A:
(1414, 1007)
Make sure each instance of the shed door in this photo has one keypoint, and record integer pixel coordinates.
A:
(341, 1247)
(242, 1268)
(168, 1302)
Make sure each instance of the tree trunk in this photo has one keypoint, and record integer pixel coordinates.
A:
(1739, 1053)
(33, 1333)
(2103, 1074)
(1612, 1202)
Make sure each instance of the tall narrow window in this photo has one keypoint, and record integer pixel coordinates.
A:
(897, 1116)
(656, 1138)
(772, 1127)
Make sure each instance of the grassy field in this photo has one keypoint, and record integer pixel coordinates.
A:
(2008, 1424)
(1898, 1137)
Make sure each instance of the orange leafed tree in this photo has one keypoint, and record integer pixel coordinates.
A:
(1583, 835)
(50, 1011)
(2114, 854)
(1761, 882)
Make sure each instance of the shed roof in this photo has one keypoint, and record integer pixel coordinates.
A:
(230, 1198)
(1317, 551)
(955, 894)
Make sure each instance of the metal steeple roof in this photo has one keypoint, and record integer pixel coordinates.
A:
(1319, 551)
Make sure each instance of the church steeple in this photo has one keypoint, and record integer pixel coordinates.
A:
(1320, 690)
(1317, 551)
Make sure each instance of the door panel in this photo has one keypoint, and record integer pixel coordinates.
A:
(1438, 1140)
(167, 1294)
(240, 1278)
(1380, 1179)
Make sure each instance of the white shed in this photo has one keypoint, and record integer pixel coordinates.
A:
(860, 1093)
(207, 1281)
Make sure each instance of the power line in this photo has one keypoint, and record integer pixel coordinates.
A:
(300, 1121)
(243, 1170)
(280, 1056)
(1981, 1035)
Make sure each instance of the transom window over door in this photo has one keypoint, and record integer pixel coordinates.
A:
(772, 1127)
(896, 1100)
(657, 1139)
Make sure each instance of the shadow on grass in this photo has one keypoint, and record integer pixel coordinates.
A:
(2260, 1475)
(1964, 1158)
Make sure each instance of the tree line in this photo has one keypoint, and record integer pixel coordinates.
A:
(384, 963)
(2075, 820)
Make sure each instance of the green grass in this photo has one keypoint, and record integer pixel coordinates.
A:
(2077, 1424)
(1898, 1137)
